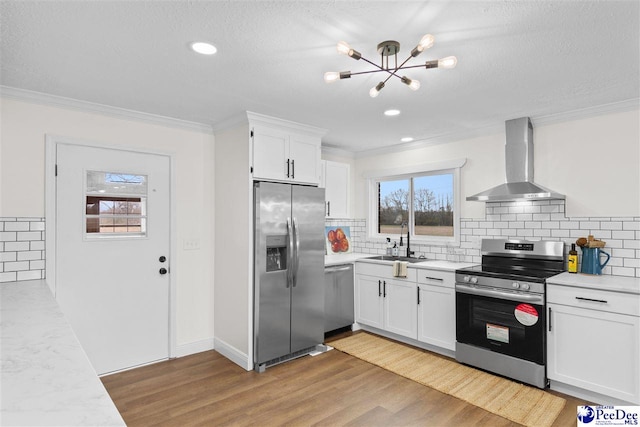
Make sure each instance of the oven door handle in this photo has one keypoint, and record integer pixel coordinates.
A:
(492, 293)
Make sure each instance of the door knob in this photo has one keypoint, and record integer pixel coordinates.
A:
(162, 258)
(163, 270)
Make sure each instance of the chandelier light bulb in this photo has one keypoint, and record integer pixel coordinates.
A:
(413, 84)
(375, 91)
(426, 42)
(331, 76)
(343, 48)
(448, 62)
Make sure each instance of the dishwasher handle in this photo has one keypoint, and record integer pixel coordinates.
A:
(339, 268)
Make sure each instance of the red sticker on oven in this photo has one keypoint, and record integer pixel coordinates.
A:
(526, 314)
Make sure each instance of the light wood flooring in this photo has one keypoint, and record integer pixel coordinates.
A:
(331, 389)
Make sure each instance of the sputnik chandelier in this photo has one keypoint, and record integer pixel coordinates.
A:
(386, 49)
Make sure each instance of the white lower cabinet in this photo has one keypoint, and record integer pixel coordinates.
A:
(437, 311)
(400, 311)
(386, 302)
(593, 341)
(369, 302)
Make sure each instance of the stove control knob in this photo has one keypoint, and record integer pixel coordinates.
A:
(525, 286)
(515, 285)
(474, 280)
(466, 278)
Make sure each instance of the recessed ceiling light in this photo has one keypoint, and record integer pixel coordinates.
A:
(407, 139)
(204, 48)
(392, 112)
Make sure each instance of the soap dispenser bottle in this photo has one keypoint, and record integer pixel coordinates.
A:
(388, 246)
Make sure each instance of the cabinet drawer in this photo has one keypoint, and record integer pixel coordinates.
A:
(594, 299)
(436, 277)
(383, 270)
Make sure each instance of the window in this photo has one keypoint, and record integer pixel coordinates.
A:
(424, 202)
(116, 204)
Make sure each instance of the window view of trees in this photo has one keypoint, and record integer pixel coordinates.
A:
(430, 209)
(114, 214)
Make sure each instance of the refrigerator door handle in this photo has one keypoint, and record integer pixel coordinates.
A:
(296, 255)
(290, 253)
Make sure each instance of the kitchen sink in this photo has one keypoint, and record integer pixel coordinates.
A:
(395, 258)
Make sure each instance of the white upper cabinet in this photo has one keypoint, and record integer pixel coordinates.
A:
(335, 180)
(284, 151)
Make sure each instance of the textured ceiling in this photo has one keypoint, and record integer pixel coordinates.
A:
(515, 58)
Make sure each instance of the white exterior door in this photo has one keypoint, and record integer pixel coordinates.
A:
(113, 215)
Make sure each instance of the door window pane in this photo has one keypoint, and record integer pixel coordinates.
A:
(115, 204)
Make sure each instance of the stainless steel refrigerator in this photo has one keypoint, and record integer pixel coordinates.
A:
(288, 271)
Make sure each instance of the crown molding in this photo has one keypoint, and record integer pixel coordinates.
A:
(429, 142)
(90, 107)
(336, 151)
(584, 113)
(261, 119)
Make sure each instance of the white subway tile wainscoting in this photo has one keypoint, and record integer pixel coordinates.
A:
(529, 220)
(22, 254)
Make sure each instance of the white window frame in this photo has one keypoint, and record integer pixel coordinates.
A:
(449, 166)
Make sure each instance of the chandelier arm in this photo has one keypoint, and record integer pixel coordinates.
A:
(391, 72)
(374, 64)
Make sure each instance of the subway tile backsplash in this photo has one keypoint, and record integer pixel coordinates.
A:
(22, 254)
(530, 220)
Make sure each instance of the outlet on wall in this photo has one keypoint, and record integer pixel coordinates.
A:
(190, 244)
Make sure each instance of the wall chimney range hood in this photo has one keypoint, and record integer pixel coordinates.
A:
(519, 168)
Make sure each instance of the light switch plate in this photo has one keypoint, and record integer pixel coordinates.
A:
(191, 244)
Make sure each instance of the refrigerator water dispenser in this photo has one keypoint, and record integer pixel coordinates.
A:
(276, 253)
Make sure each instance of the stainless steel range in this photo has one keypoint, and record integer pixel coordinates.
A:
(501, 308)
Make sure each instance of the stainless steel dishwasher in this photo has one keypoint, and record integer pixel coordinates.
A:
(338, 297)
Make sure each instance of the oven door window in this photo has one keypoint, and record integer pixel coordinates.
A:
(507, 327)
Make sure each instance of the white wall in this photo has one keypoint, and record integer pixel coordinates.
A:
(233, 251)
(23, 126)
(593, 161)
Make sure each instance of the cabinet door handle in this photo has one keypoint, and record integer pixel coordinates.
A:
(433, 278)
(592, 300)
(379, 290)
(288, 166)
(418, 296)
(293, 169)
(549, 319)
(384, 288)
(329, 208)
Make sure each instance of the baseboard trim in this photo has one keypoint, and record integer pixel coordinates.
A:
(194, 347)
(588, 395)
(230, 352)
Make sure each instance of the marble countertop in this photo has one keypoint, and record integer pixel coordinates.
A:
(629, 285)
(47, 379)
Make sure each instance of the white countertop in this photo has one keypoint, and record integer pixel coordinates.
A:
(436, 264)
(603, 282)
(47, 378)
(432, 264)
(349, 258)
